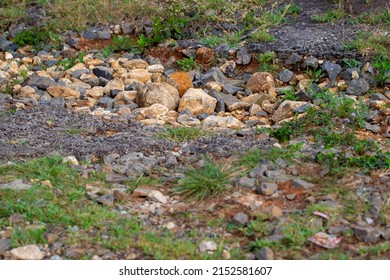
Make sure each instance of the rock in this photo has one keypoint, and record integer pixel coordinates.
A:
(16, 218)
(106, 102)
(385, 234)
(136, 64)
(142, 192)
(16, 185)
(311, 61)
(28, 252)
(274, 211)
(197, 102)
(207, 246)
(285, 75)
(243, 57)
(71, 160)
(299, 183)
(95, 92)
(367, 234)
(104, 72)
(5, 245)
(331, 69)
(358, 87)
(372, 127)
(155, 111)
(241, 218)
(116, 178)
(294, 59)
(302, 95)
(139, 75)
(287, 109)
(261, 82)
(229, 122)
(158, 197)
(204, 55)
(230, 89)
(265, 253)
(158, 93)
(40, 82)
(62, 92)
(246, 182)
(182, 80)
(136, 169)
(107, 200)
(267, 188)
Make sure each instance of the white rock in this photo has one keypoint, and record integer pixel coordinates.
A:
(197, 102)
(229, 122)
(158, 197)
(28, 252)
(71, 159)
(206, 246)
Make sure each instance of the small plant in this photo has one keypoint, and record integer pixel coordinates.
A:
(290, 95)
(330, 16)
(205, 182)
(37, 37)
(351, 63)
(382, 65)
(21, 237)
(262, 36)
(187, 64)
(181, 134)
(268, 62)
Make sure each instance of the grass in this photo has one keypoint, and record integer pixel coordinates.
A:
(268, 62)
(182, 134)
(330, 16)
(187, 64)
(252, 158)
(205, 182)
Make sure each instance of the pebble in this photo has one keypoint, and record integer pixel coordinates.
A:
(241, 218)
(207, 246)
(157, 196)
(16, 185)
(367, 234)
(28, 252)
(299, 183)
(267, 188)
(5, 245)
(265, 253)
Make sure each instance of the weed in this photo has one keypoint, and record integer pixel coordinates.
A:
(351, 63)
(382, 65)
(37, 37)
(21, 237)
(329, 16)
(375, 250)
(252, 158)
(187, 64)
(68, 63)
(268, 62)
(205, 182)
(290, 95)
(262, 35)
(181, 134)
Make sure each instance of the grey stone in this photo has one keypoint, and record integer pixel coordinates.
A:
(39, 82)
(230, 89)
(347, 74)
(285, 75)
(246, 182)
(116, 178)
(214, 74)
(103, 72)
(265, 253)
(358, 87)
(241, 218)
(222, 50)
(337, 230)
(6, 45)
(294, 59)
(331, 69)
(311, 61)
(385, 233)
(243, 57)
(367, 234)
(127, 28)
(372, 127)
(171, 161)
(220, 106)
(299, 183)
(267, 188)
(5, 245)
(16, 185)
(107, 199)
(56, 258)
(106, 102)
(79, 72)
(136, 169)
(303, 96)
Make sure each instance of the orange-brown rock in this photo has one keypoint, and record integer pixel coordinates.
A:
(183, 81)
(204, 56)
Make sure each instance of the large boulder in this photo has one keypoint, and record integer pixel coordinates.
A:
(158, 93)
(182, 81)
(197, 102)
